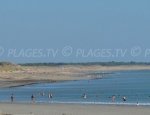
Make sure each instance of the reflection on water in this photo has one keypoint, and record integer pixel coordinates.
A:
(134, 85)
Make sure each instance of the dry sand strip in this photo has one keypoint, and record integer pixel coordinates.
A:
(72, 109)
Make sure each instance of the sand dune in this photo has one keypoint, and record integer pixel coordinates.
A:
(33, 74)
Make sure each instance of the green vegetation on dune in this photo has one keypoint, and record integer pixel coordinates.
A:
(9, 67)
(6, 63)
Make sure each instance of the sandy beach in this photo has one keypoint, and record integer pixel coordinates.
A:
(71, 109)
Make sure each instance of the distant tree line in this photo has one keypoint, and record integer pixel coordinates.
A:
(5, 63)
(112, 63)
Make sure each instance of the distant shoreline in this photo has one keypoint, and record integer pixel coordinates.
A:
(111, 63)
(19, 75)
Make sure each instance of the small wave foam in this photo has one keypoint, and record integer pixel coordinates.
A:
(97, 103)
(86, 103)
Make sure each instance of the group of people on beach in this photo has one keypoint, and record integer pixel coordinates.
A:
(33, 97)
(124, 99)
(50, 96)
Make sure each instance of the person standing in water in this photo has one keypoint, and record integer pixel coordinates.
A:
(113, 98)
(84, 96)
(124, 99)
(32, 98)
(50, 95)
(12, 98)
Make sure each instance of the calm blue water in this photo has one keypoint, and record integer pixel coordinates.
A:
(134, 85)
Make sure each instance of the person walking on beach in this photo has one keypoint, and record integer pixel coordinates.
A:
(12, 98)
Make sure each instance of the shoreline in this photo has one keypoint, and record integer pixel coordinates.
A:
(79, 103)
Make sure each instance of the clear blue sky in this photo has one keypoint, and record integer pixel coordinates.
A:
(87, 24)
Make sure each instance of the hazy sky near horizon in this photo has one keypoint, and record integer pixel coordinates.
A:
(84, 24)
